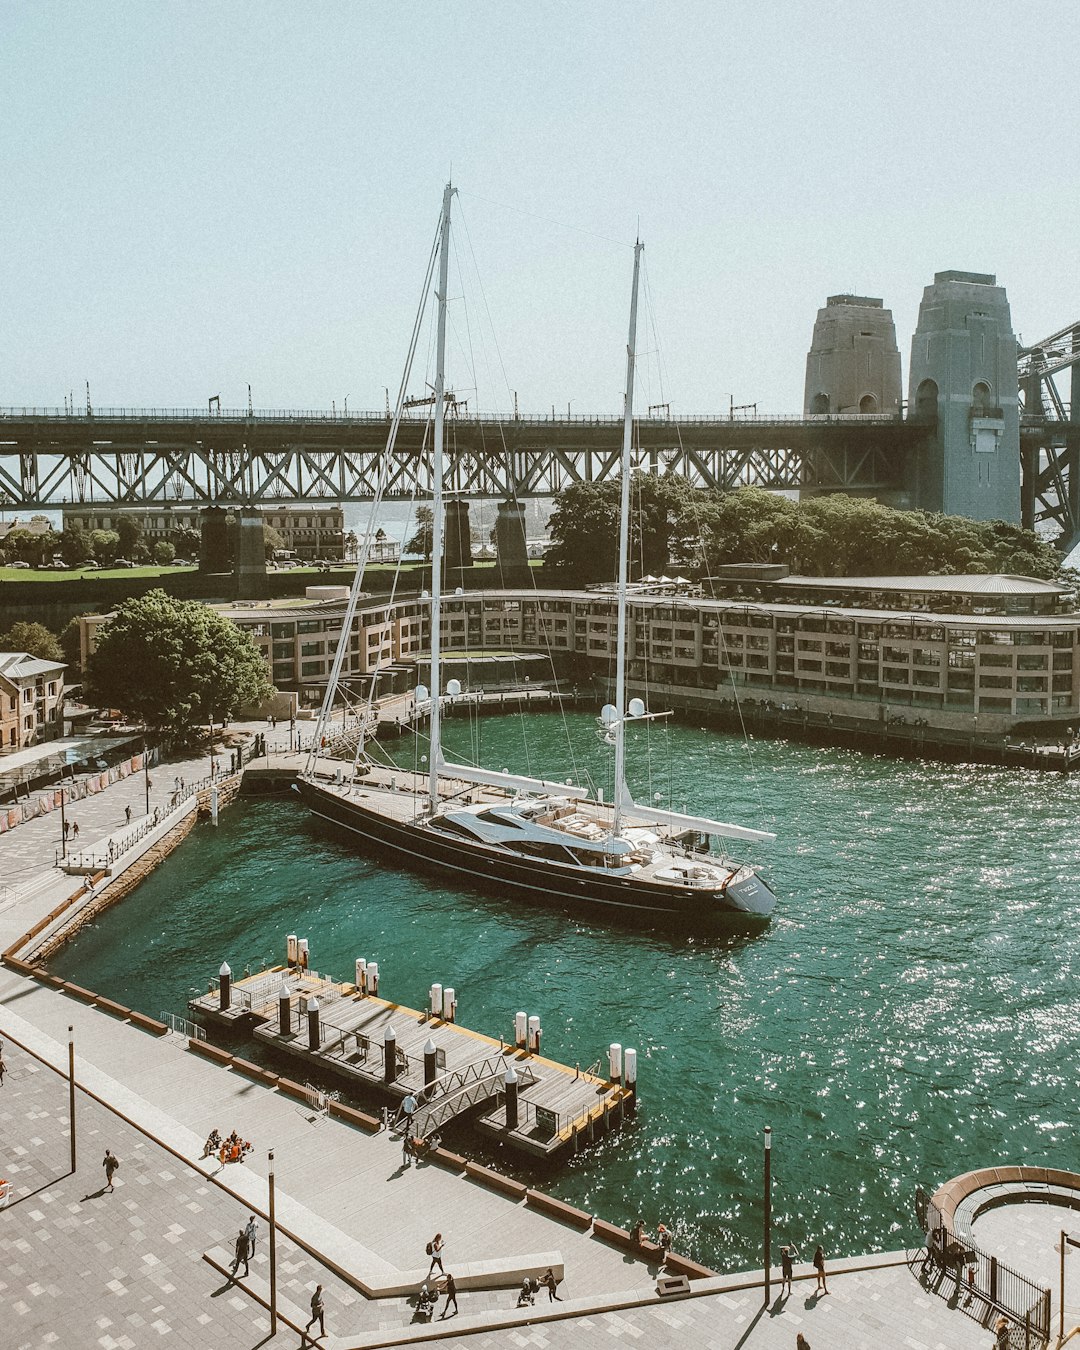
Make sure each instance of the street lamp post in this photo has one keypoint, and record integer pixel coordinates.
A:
(71, 1093)
(767, 1233)
(146, 774)
(273, 1251)
(63, 824)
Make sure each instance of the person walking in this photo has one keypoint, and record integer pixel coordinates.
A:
(251, 1232)
(451, 1297)
(318, 1312)
(551, 1284)
(407, 1148)
(819, 1267)
(110, 1163)
(3, 1067)
(241, 1252)
(435, 1251)
(127, 814)
(74, 829)
(801, 1343)
(787, 1266)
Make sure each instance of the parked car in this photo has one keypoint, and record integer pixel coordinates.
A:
(123, 562)
(19, 564)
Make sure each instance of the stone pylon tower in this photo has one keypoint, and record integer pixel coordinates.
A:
(853, 364)
(963, 374)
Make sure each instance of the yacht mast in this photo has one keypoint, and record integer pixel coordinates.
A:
(624, 553)
(435, 750)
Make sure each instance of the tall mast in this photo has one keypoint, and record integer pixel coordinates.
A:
(437, 503)
(624, 552)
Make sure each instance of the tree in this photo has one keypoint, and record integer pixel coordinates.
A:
(421, 541)
(352, 545)
(186, 539)
(71, 644)
(175, 665)
(164, 553)
(130, 532)
(34, 638)
(272, 541)
(75, 545)
(106, 545)
(584, 527)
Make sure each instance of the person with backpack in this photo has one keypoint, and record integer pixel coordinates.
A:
(434, 1249)
(111, 1164)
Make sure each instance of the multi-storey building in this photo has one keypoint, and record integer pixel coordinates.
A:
(963, 653)
(308, 531)
(31, 700)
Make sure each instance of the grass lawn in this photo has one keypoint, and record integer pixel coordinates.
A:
(30, 574)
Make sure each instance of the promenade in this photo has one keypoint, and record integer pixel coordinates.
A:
(86, 1267)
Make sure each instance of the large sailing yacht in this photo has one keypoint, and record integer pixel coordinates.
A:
(527, 837)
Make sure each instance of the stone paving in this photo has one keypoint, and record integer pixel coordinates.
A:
(1030, 1234)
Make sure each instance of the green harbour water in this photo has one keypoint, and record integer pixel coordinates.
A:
(912, 1010)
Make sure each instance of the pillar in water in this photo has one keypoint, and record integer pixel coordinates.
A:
(510, 548)
(251, 581)
(963, 385)
(853, 365)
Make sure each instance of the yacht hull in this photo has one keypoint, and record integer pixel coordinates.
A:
(489, 868)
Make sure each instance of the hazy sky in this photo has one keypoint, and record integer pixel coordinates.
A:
(194, 196)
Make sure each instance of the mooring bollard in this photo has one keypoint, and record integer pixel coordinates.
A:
(303, 954)
(313, 1038)
(449, 1005)
(510, 1082)
(361, 976)
(389, 1051)
(291, 950)
(534, 1035)
(630, 1067)
(435, 1000)
(431, 1063)
(615, 1062)
(521, 1033)
(373, 977)
(284, 1011)
(224, 987)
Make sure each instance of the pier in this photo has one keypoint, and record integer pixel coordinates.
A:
(508, 1089)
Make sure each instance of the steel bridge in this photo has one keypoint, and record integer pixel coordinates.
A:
(151, 456)
(140, 457)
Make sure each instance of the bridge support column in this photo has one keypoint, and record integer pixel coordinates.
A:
(251, 580)
(457, 544)
(214, 548)
(510, 549)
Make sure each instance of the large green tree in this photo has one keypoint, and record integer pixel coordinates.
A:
(34, 638)
(175, 665)
(130, 532)
(584, 527)
(420, 543)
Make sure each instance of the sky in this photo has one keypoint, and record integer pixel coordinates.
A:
(196, 196)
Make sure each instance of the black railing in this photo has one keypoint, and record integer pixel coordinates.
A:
(985, 1288)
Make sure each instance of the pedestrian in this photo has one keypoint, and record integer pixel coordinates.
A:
(149, 783)
(407, 1111)
(819, 1266)
(407, 1148)
(1001, 1334)
(251, 1232)
(111, 1164)
(127, 814)
(3, 1067)
(663, 1238)
(240, 1253)
(67, 828)
(451, 1297)
(551, 1284)
(787, 1266)
(801, 1343)
(435, 1250)
(75, 829)
(318, 1312)
(637, 1233)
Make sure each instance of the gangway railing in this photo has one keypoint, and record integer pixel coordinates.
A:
(455, 1092)
(182, 1026)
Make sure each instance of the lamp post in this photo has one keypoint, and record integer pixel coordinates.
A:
(273, 1250)
(63, 824)
(767, 1230)
(146, 774)
(71, 1092)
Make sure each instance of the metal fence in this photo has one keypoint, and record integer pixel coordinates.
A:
(985, 1288)
(191, 1030)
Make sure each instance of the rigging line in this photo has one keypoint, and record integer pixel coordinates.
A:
(547, 220)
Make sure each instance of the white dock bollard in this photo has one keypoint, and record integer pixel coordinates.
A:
(284, 1011)
(224, 987)
(373, 977)
(389, 1055)
(521, 1023)
(510, 1083)
(214, 805)
(449, 1005)
(314, 1040)
(303, 955)
(431, 1063)
(361, 975)
(615, 1062)
(630, 1065)
(435, 1000)
(290, 949)
(534, 1035)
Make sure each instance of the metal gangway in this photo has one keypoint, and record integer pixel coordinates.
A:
(452, 1094)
